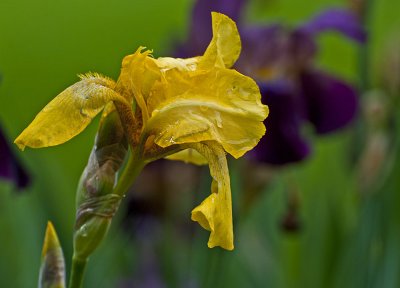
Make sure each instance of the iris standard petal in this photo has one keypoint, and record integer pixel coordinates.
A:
(283, 143)
(215, 212)
(340, 20)
(200, 27)
(330, 103)
(224, 48)
(69, 113)
(138, 74)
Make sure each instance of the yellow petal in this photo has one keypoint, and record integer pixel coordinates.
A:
(168, 63)
(69, 113)
(224, 48)
(217, 104)
(215, 212)
(138, 75)
(188, 156)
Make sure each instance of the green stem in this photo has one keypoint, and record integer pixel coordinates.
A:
(77, 272)
(133, 168)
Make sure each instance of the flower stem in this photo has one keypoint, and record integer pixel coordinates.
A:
(132, 170)
(77, 272)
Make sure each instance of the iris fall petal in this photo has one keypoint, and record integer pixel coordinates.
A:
(215, 212)
(69, 113)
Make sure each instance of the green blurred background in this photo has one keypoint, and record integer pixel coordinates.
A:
(345, 240)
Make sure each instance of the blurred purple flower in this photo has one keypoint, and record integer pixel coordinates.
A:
(281, 61)
(10, 167)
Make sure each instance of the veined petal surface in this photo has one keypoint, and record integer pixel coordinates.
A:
(69, 113)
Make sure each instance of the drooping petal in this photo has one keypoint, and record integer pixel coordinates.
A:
(10, 167)
(215, 212)
(69, 113)
(340, 20)
(200, 28)
(331, 103)
(218, 104)
(224, 48)
(284, 142)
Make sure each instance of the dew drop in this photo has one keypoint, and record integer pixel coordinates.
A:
(83, 231)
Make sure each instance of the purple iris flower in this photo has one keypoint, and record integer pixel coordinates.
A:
(10, 167)
(281, 61)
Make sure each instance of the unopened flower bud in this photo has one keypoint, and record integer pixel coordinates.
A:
(96, 204)
(52, 269)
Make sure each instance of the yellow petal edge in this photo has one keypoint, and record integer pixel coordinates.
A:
(225, 46)
(69, 113)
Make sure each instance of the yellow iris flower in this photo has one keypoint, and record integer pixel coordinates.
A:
(194, 110)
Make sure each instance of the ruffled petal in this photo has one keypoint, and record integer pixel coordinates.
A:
(331, 103)
(218, 104)
(69, 113)
(199, 99)
(215, 212)
(138, 74)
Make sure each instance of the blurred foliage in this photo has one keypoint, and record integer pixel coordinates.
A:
(346, 238)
